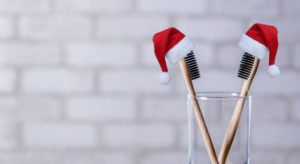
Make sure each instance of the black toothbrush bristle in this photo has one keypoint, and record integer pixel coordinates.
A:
(192, 66)
(246, 66)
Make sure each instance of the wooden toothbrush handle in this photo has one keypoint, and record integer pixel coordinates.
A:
(237, 113)
(232, 128)
(201, 122)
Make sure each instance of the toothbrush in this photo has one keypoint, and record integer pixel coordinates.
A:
(257, 42)
(190, 71)
(177, 47)
(247, 71)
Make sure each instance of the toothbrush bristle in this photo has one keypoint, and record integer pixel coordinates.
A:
(246, 66)
(192, 66)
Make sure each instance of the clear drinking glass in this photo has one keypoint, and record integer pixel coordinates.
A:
(217, 109)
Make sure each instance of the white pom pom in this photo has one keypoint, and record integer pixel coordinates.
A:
(164, 78)
(274, 71)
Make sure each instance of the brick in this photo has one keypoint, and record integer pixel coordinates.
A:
(247, 8)
(296, 58)
(213, 30)
(55, 27)
(291, 7)
(148, 56)
(269, 110)
(184, 136)
(204, 54)
(97, 157)
(165, 157)
(283, 57)
(63, 135)
(7, 27)
(296, 109)
(29, 108)
(286, 26)
(22, 54)
(230, 56)
(131, 81)
(110, 6)
(28, 157)
(101, 108)
(138, 136)
(182, 6)
(174, 157)
(8, 134)
(101, 54)
(268, 157)
(293, 157)
(213, 81)
(7, 80)
(264, 84)
(20, 6)
(174, 108)
(276, 136)
(57, 81)
(133, 27)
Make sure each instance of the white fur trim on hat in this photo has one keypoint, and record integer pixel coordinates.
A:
(273, 70)
(164, 78)
(180, 50)
(253, 47)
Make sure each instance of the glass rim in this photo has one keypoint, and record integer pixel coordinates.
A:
(218, 95)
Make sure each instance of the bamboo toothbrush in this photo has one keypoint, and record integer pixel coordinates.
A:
(247, 70)
(257, 42)
(174, 45)
(190, 71)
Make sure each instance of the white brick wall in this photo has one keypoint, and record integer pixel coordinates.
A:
(8, 139)
(78, 79)
(296, 110)
(165, 157)
(291, 7)
(276, 136)
(261, 157)
(160, 109)
(30, 108)
(296, 58)
(55, 27)
(8, 26)
(130, 81)
(7, 80)
(58, 81)
(101, 108)
(269, 110)
(17, 6)
(248, 7)
(214, 30)
(181, 6)
(95, 6)
(138, 136)
(23, 54)
(130, 27)
(101, 54)
(59, 135)
(29, 157)
(265, 84)
(97, 157)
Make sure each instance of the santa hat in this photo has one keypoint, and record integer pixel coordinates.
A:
(174, 45)
(259, 40)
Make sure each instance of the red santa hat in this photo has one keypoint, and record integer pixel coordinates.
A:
(259, 40)
(174, 45)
